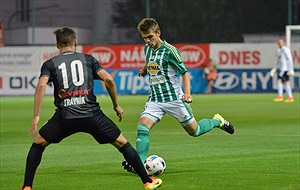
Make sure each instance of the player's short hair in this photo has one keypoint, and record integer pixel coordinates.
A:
(146, 24)
(65, 37)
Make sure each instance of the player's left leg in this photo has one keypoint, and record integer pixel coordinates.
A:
(182, 111)
(288, 88)
(33, 160)
(205, 125)
(51, 132)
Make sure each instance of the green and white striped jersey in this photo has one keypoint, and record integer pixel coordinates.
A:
(163, 66)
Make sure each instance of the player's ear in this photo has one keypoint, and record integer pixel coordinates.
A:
(158, 33)
(75, 43)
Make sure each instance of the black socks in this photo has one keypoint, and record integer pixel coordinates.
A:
(33, 160)
(132, 157)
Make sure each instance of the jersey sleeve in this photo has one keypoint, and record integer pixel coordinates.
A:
(96, 66)
(176, 61)
(46, 70)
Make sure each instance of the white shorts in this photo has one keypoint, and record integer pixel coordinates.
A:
(178, 109)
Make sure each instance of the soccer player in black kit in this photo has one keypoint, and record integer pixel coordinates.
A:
(77, 110)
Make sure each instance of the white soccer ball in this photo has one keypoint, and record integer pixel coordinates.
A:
(155, 165)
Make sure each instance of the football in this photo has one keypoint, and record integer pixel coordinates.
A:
(155, 165)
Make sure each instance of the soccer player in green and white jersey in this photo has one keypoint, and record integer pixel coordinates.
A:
(163, 63)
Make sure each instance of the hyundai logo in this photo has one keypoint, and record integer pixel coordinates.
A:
(226, 81)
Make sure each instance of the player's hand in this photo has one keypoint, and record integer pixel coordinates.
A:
(272, 72)
(33, 126)
(119, 111)
(291, 72)
(187, 98)
(142, 72)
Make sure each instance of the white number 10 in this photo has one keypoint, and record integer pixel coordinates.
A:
(76, 71)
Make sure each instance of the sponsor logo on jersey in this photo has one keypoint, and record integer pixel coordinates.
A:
(62, 93)
(157, 79)
(153, 68)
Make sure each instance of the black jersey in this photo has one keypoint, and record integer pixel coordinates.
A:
(73, 77)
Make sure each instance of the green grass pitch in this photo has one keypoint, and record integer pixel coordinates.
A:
(263, 154)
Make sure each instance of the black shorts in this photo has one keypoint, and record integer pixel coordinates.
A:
(285, 77)
(99, 126)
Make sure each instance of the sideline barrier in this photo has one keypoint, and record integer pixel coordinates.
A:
(242, 68)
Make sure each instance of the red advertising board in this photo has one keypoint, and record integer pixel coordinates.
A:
(132, 56)
(118, 57)
(194, 55)
(1, 33)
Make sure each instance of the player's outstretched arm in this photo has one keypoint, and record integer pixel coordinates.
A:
(112, 91)
(38, 100)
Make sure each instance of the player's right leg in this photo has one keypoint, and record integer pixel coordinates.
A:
(279, 98)
(132, 158)
(142, 142)
(156, 182)
(152, 114)
(105, 130)
(142, 139)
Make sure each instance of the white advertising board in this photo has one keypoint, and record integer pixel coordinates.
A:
(20, 68)
(249, 56)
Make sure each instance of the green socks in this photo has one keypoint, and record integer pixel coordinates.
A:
(205, 125)
(142, 141)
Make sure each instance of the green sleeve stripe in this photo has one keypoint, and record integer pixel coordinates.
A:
(174, 51)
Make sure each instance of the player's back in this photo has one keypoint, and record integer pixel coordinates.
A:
(73, 77)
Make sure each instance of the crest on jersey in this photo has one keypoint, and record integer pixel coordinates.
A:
(153, 68)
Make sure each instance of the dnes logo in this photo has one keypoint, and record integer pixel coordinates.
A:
(226, 81)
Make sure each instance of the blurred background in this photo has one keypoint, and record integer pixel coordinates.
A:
(104, 22)
(239, 36)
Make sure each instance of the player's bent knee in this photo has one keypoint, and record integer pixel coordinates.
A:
(120, 141)
(41, 141)
(191, 128)
(143, 129)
